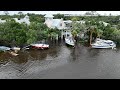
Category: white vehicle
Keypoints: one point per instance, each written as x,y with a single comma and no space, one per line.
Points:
103,44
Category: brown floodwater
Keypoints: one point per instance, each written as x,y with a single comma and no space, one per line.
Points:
61,61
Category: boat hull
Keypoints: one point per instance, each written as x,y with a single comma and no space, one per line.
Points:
39,46
70,43
3,48
100,43
103,47
35,47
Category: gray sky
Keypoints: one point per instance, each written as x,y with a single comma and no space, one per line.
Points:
63,12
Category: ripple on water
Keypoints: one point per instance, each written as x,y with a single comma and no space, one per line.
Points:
105,61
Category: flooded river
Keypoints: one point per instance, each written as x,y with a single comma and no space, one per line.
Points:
60,61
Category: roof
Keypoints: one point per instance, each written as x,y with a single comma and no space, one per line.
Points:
56,22
68,21
48,15
26,16
105,24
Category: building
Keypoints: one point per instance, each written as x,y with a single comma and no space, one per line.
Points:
104,23
81,22
60,24
2,21
54,23
22,20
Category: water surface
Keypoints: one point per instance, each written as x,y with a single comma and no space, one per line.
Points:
60,61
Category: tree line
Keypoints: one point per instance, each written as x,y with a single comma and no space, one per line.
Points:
13,33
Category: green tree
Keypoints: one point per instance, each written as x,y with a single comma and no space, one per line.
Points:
92,30
31,36
99,33
59,16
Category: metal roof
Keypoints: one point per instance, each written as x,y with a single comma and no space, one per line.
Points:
56,22
48,15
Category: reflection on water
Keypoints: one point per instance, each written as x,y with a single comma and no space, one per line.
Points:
27,62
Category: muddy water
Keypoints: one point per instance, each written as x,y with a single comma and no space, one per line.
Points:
104,63
30,61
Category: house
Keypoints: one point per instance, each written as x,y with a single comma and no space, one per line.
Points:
68,24
60,24
81,22
2,21
22,20
104,23
54,23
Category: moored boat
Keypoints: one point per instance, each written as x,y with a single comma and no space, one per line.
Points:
100,43
4,48
15,48
40,46
70,41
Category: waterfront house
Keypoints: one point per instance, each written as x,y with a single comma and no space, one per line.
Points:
60,24
63,25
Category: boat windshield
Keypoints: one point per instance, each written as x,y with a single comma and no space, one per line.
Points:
108,42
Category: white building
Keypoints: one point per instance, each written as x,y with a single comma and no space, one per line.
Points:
2,21
22,20
54,23
60,24
81,22
104,23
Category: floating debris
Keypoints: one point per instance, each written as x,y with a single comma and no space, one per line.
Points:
14,54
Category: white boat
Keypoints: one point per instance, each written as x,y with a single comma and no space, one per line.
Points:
4,48
100,43
40,46
15,48
70,41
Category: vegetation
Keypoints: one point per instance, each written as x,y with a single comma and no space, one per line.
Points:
16,34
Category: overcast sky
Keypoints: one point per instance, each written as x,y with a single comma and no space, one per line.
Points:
63,12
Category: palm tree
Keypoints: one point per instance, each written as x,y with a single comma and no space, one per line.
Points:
99,33
21,14
92,29
76,28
